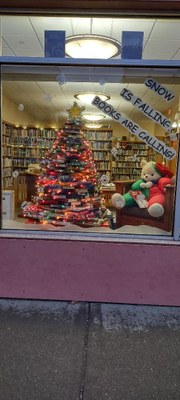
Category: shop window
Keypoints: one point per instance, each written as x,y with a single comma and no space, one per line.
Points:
103,162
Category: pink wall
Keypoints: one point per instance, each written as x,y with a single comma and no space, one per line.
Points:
89,271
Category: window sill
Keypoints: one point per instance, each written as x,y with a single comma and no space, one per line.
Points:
89,237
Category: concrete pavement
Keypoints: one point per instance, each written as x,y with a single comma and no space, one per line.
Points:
52,350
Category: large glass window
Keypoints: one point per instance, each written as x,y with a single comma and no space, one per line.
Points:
90,148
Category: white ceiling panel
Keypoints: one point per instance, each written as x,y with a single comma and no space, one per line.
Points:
42,41
162,46
102,26
176,56
40,24
166,30
16,26
6,50
20,42
137,25
81,26
49,87
158,55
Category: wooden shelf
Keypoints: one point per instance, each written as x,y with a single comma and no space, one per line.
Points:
123,164
22,139
98,139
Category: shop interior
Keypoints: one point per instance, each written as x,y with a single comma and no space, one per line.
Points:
42,106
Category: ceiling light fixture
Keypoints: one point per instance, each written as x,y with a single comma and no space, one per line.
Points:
88,97
92,46
93,117
93,126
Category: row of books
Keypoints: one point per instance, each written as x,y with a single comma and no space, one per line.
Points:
95,135
101,156
32,141
6,151
101,146
19,152
7,130
7,172
7,162
126,177
132,152
134,145
125,171
128,164
103,166
129,158
6,140
28,152
120,177
34,132
23,162
7,182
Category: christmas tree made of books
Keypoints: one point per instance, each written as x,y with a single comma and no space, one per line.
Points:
67,187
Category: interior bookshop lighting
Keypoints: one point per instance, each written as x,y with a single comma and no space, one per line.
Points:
92,46
93,126
177,116
87,97
176,125
93,117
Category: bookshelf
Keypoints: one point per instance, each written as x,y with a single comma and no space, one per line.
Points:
101,145
126,165
21,147
29,145
7,156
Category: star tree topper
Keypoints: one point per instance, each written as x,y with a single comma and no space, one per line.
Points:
75,111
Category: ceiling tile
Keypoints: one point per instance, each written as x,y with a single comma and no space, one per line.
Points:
166,29
22,42
142,25
13,25
40,24
162,46
176,56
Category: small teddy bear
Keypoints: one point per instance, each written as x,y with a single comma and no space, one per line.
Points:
151,187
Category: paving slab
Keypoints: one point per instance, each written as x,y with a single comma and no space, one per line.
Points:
133,353
41,349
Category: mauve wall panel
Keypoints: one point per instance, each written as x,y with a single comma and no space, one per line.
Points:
89,271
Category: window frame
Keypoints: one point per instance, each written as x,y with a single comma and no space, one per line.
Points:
86,236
